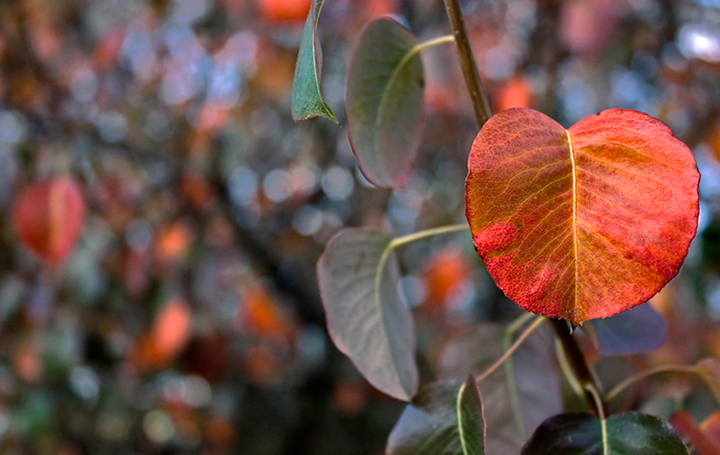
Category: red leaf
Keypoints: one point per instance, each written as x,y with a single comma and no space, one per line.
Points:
582,223
684,423
48,218
586,26
711,427
283,11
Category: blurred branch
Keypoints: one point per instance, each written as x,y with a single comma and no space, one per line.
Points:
266,257
547,52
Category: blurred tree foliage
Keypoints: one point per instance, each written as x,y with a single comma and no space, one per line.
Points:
187,319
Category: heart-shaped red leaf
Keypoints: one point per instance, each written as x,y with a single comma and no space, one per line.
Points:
582,223
48,218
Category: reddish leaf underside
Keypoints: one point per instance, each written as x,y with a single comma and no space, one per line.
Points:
582,223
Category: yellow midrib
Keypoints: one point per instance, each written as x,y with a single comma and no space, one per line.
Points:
574,215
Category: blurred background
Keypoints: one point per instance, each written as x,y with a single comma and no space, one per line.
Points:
186,317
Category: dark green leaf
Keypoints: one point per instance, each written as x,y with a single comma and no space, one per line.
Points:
636,331
366,315
630,433
307,101
513,406
385,105
444,419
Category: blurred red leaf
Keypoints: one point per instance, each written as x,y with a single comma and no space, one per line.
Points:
586,26
197,190
27,361
349,398
582,223
283,11
377,8
711,427
263,366
261,314
106,52
685,424
515,92
220,432
48,218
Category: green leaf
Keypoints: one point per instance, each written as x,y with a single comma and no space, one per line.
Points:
307,101
385,105
366,315
629,433
444,419
514,406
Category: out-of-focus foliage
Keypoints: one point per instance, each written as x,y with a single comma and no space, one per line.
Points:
187,319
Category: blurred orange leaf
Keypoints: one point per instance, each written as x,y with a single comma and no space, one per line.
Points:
261,314
168,336
515,92
446,272
173,242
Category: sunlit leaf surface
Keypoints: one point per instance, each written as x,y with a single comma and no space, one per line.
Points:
581,223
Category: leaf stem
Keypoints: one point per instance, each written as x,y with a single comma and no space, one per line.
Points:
467,62
517,323
420,47
647,373
579,367
589,388
510,373
498,363
404,61
398,241
433,42
566,370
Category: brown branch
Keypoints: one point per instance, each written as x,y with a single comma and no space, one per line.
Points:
467,62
